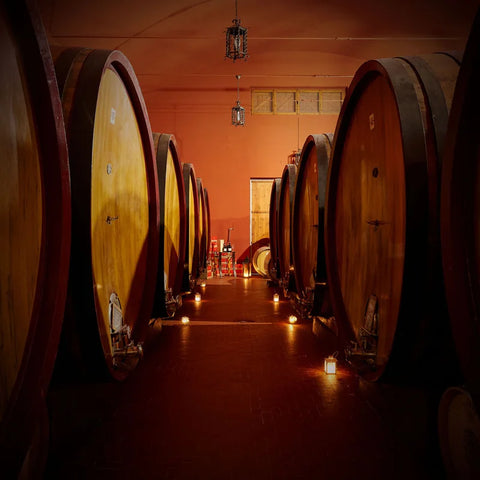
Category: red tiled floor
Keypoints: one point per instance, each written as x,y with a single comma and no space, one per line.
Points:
242,399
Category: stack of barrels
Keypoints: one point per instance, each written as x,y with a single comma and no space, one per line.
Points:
355,226
377,229
104,228
297,210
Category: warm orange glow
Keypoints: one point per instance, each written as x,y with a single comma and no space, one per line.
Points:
276,297
292,319
198,297
185,320
203,284
330,365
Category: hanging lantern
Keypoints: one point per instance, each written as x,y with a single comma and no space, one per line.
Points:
238,112
236,39
294,157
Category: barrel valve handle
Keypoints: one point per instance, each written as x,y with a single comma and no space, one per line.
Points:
363,352
126,353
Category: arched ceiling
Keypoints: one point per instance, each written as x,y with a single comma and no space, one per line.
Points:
180,44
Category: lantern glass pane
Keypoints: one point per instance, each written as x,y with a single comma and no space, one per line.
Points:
330,365
238,115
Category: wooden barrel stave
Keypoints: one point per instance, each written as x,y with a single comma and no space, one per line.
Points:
172,226
115,209
35,238
380,231
273,229
190,274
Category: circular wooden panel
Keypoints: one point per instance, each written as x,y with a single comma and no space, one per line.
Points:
35,232
459,434
115,207
381,215
172,225
287,191
261,260
192,219
460,215
308,215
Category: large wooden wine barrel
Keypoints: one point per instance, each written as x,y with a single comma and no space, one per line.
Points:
308,246
172,226
208,226
190,273
34,237
285,207
460,218
273,229
115,209
382,243
203,229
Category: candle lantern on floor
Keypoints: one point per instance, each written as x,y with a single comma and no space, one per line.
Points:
246,268
330,365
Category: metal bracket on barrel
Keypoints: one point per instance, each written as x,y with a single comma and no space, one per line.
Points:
364,352
172,303
302,304
124,349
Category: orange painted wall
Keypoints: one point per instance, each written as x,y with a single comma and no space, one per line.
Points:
226,157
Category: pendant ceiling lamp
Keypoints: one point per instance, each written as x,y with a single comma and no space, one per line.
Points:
238,112
294,157
236,39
